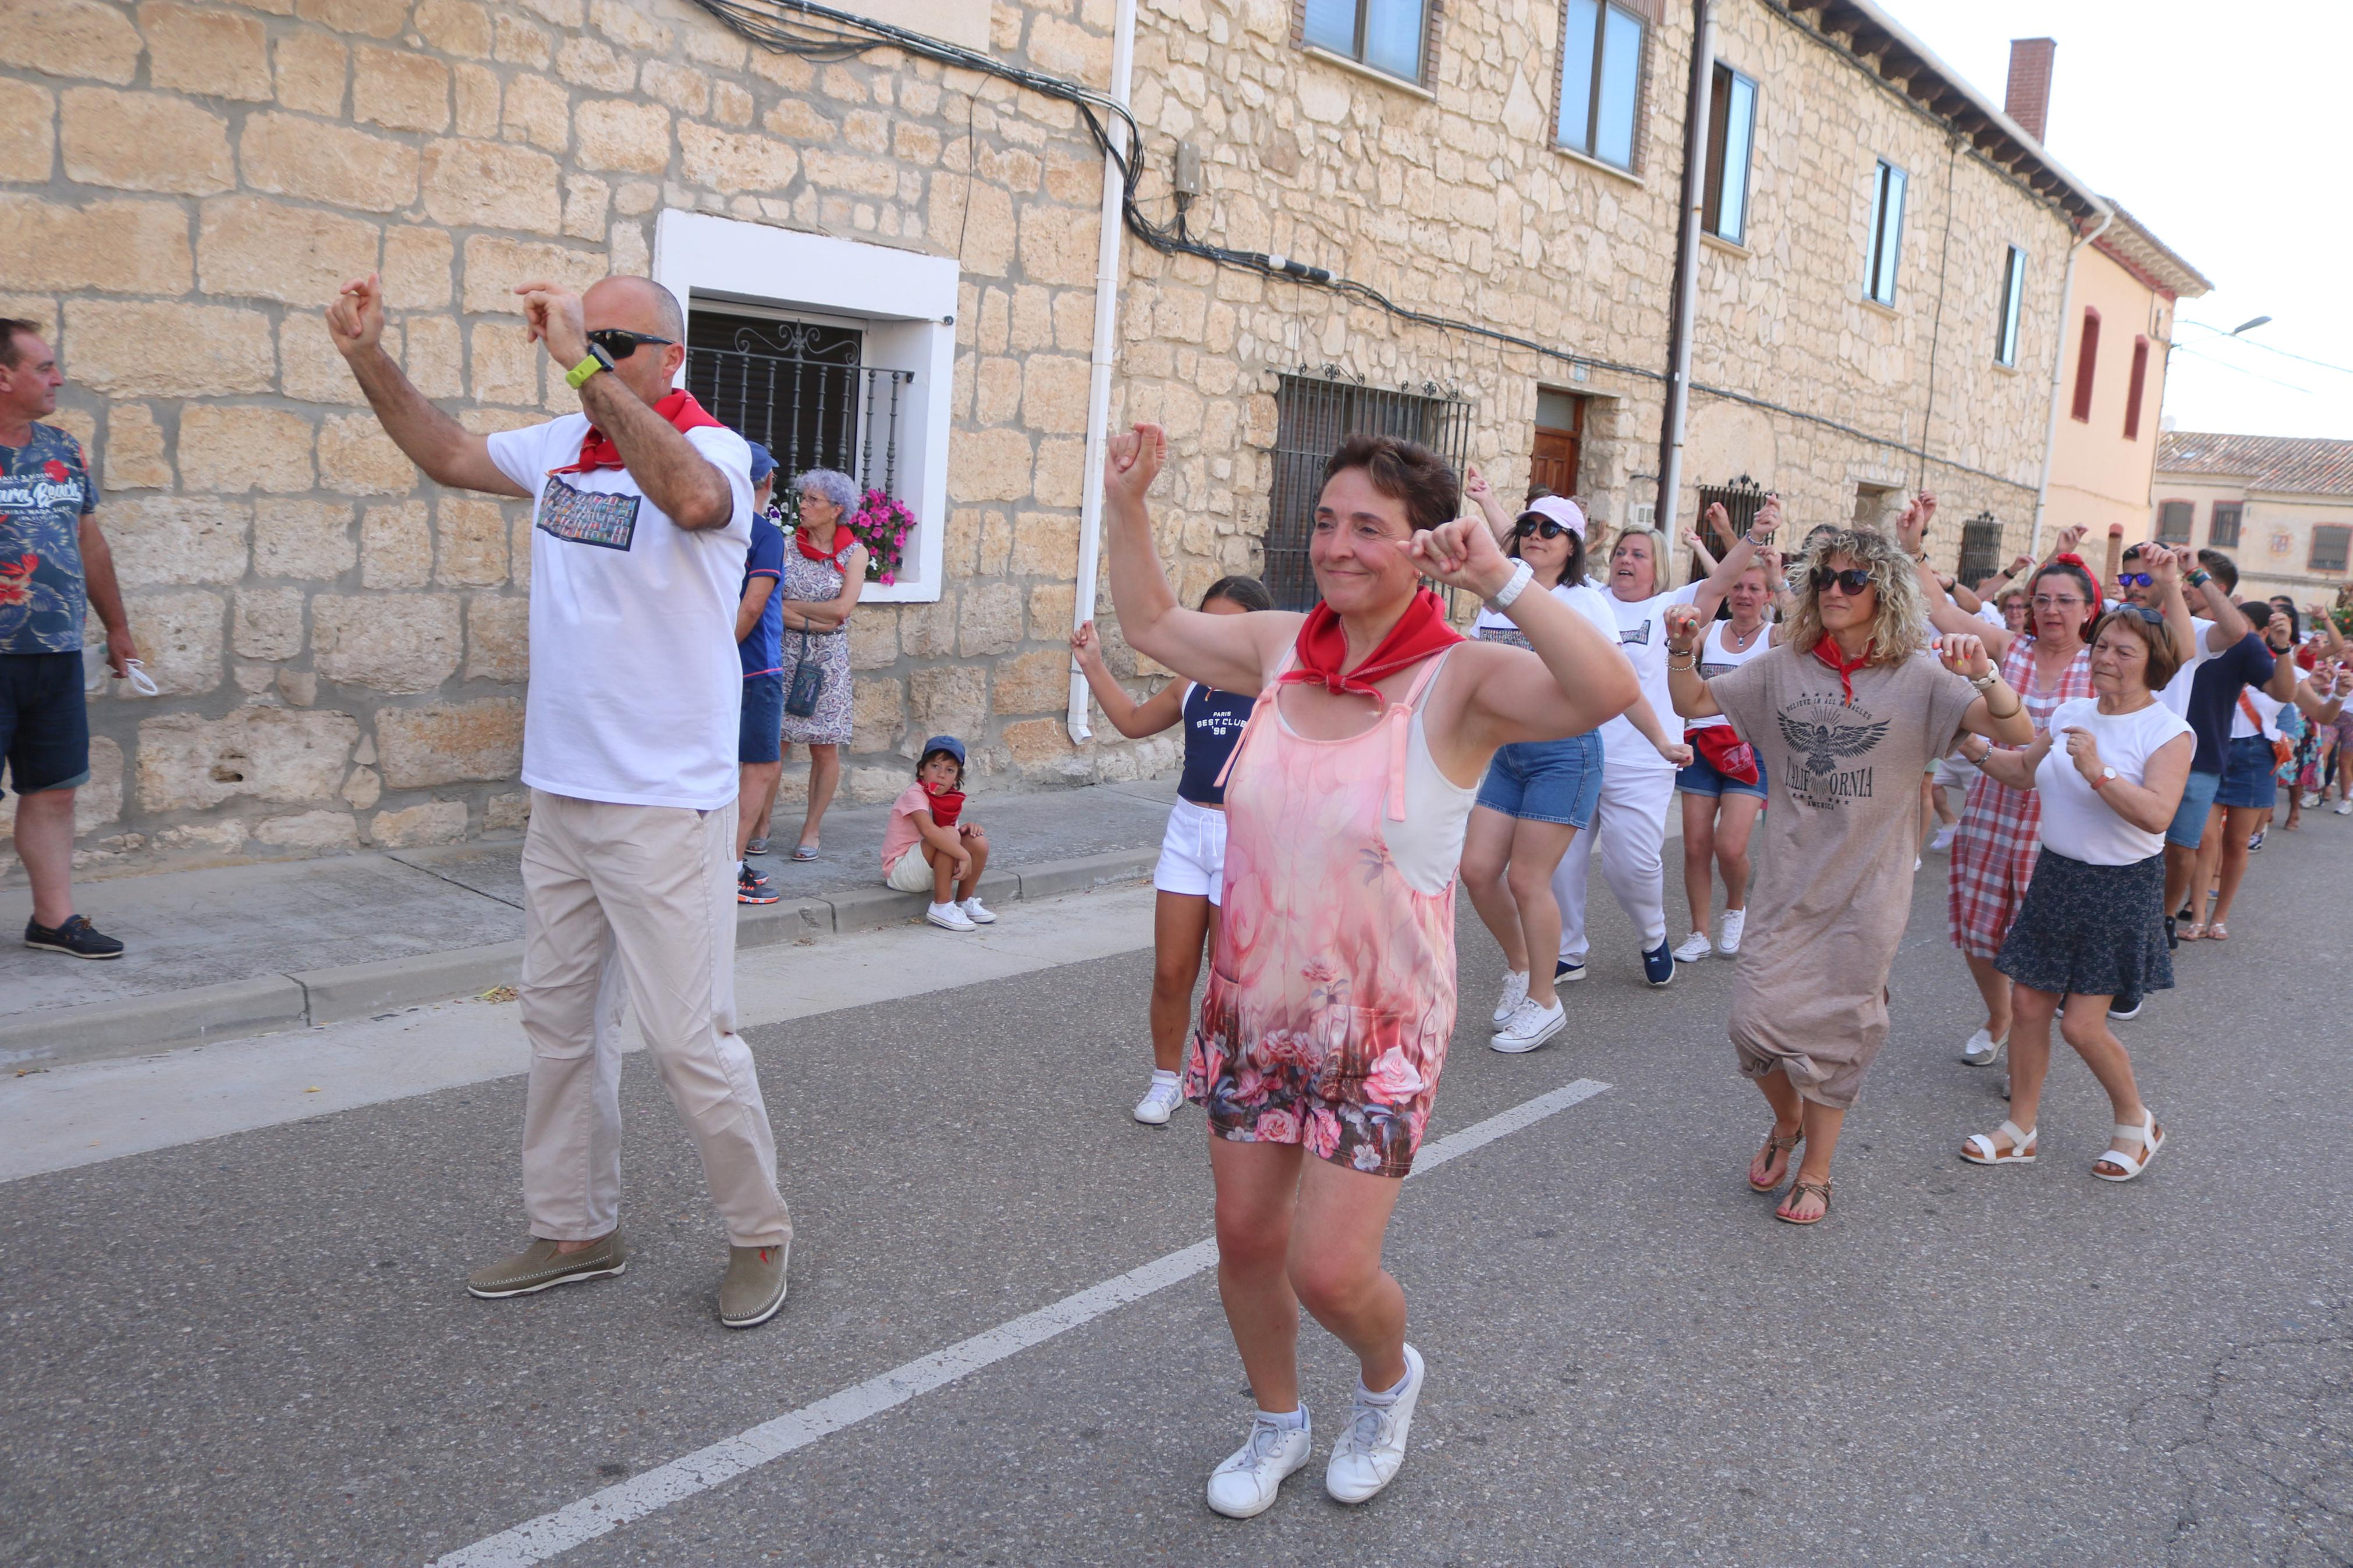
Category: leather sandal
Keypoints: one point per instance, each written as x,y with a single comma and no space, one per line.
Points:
1981,1150
2148,1135
1820,1189
1787,1146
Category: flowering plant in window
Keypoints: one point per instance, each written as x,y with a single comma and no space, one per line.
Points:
882,523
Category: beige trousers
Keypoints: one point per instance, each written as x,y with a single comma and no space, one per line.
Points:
635,904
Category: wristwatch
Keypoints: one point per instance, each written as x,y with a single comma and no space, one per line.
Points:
2107,775
578,374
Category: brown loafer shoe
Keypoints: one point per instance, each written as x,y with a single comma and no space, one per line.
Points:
540,1267
754,1286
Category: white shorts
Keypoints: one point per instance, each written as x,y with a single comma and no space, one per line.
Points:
1955,772
1193,852
910,873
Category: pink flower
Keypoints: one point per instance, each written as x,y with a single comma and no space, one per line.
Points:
1393,1079
1292,1048
888,578
1276,1126
1323,1132
1251,1086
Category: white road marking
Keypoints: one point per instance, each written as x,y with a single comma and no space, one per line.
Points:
601,1512
82,1114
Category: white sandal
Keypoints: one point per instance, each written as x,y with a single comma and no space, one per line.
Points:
1981,1150
2148,1135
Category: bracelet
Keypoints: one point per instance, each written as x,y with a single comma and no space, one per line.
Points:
1690,653
2012,714
1522,575
2199,579
1986,682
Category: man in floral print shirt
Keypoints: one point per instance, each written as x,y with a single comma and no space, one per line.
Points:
54,567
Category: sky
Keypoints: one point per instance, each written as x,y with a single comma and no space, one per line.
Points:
2224,131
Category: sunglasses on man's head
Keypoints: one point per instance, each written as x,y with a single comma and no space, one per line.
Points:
1539,528
2136,579
620,343
2142,612
1854,580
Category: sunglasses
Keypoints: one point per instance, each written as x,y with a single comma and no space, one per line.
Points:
1539,528
2136,579
1854,580
2143,612
620,343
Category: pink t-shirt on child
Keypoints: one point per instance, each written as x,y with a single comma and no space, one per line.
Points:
901,833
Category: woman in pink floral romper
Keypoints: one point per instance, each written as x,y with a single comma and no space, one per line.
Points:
1331,997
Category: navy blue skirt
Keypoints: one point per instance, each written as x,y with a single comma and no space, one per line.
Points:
2091,930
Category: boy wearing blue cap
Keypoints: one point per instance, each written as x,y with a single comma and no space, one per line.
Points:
759,640
928,844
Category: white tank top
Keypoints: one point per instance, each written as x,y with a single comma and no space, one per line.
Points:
1715,657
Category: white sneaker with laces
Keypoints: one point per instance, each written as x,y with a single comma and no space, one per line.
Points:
1160,1101
1531,1026
949,916
1244,1486
1735,923
2344,808
1983,1050
1368,1453
1696,947
1516,990
977,913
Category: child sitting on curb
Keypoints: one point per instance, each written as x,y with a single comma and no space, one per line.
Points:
927,844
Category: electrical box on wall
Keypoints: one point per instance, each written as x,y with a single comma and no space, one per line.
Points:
1187,179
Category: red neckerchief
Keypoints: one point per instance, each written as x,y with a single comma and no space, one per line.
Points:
598,451
947,805
1827,652
1421,632
842,540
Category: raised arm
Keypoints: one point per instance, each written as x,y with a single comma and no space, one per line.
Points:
1740,557
1685,685
447,452
2113,562
1698,546
1951,619
2326,624
1132,719
1999,713
1482,495
1231,653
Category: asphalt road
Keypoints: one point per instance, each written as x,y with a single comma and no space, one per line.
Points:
256,1349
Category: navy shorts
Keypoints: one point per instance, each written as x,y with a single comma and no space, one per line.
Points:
1704,777
1547,781
2249,773
758,738
44,721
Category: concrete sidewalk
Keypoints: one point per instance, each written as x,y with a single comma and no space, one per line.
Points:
246,949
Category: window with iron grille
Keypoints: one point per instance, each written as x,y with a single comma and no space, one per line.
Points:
2173,519
1391,35
1740,500
2222,531
1313,414
1980,548
799,389
2330,542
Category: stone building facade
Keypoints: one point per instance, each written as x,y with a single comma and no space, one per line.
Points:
184,185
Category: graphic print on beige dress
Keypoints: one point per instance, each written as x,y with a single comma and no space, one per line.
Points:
1331,997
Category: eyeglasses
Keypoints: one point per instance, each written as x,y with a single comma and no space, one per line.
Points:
2136,579
1539,528
2049,602
620,343
1854,580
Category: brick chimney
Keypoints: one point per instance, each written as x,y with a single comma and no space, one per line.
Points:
2028,97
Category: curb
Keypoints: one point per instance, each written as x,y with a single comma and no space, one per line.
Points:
142,1026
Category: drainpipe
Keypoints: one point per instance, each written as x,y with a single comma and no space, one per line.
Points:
1675,419
1107,262
2058,375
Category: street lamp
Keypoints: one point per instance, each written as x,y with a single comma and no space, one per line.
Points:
2247,326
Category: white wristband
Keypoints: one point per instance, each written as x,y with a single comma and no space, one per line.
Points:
1522,575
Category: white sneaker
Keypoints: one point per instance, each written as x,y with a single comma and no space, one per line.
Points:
1944,839
1244,1486
950,917
1532,1025
977,913
2311,799
1368,1453
1696,947
2344,808
1983,1050
1516,990
1735,923
1159,1102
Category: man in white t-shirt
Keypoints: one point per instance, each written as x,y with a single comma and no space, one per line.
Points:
641,518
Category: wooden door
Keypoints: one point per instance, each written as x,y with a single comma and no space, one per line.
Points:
1560,433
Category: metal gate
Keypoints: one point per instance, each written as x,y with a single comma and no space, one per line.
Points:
1980,548
1740,499
797,388
1314,414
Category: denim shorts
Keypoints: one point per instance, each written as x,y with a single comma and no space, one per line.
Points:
1704,777
1547,781
2248,773
758,735
2189,818
44,721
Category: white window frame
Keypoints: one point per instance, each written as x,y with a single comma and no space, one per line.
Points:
2013,290
906,303
1883,248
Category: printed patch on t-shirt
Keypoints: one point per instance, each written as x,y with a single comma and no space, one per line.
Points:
1823,735
1638,633
607,519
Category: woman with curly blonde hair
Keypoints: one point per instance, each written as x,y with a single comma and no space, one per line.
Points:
1852,708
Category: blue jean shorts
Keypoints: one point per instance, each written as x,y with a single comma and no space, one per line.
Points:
2189,818
1704,777
2248,776
1547,781
758,737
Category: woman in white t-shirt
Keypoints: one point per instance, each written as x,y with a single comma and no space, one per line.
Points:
1639,764
2110,772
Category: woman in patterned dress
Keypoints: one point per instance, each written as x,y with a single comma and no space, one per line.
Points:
825,569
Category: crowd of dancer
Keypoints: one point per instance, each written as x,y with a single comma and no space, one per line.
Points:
2123,738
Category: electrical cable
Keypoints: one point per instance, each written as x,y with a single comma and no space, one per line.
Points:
2267,348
